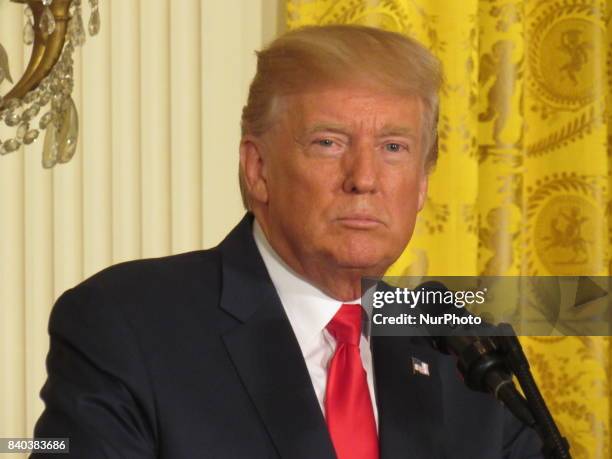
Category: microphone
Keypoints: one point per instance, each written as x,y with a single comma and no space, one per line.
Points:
480,360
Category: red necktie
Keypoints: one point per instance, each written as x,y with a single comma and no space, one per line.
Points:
348,407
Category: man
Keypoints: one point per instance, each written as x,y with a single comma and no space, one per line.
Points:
254,349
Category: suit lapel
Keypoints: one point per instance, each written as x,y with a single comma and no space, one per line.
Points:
266,354
409,403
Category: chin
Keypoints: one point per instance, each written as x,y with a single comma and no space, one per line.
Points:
370,260
371,252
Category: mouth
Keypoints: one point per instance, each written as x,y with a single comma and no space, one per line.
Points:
360,221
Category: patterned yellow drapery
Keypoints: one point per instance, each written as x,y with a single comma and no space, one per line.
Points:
521,187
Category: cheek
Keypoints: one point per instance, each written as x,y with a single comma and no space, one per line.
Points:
298,202
404,202
303,187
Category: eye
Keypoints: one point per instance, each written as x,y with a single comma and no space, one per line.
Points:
325,142
394,147
326,145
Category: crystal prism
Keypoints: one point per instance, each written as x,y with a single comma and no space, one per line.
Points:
30,113
12,104
49,157
22,130
45,120
44,98
47,22
30,136
27,11
11,145
12,119
28,33
94,22
31,97
77,29
69,132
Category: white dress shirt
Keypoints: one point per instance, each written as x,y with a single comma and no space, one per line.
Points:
309,310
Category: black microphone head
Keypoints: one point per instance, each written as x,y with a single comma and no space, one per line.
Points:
443,314
476,355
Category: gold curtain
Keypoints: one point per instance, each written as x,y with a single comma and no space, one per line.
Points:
521,187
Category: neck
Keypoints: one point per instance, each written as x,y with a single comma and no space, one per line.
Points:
342,285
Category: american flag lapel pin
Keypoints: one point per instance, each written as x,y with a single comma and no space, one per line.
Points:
420,367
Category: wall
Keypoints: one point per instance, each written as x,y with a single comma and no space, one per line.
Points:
159,94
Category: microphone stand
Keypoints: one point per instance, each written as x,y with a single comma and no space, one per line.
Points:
555,445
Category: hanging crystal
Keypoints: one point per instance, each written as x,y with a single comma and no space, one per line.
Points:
69,132
28,33
50,148
59,118
22,130
30,113
12,104
94,19
47,20
30,136
45,98
72,9
12,119
76,29
28,28
45,120
31,96
11,145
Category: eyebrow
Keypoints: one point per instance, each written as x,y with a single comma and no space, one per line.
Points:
389,130
399,131
338,128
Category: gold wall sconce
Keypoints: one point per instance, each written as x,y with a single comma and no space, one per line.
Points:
41,101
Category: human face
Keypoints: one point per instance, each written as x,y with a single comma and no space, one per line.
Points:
340,179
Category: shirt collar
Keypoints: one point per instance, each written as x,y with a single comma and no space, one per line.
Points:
309,309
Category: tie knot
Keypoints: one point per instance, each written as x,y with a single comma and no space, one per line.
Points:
345,327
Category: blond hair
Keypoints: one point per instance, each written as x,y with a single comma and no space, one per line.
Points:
315,56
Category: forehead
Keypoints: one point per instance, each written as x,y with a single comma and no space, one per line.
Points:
354,107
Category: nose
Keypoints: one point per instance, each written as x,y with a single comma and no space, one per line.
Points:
361,170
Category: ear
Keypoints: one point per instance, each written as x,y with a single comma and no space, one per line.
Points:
423,184
252,166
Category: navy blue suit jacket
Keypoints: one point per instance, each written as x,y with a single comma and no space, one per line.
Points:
192,356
